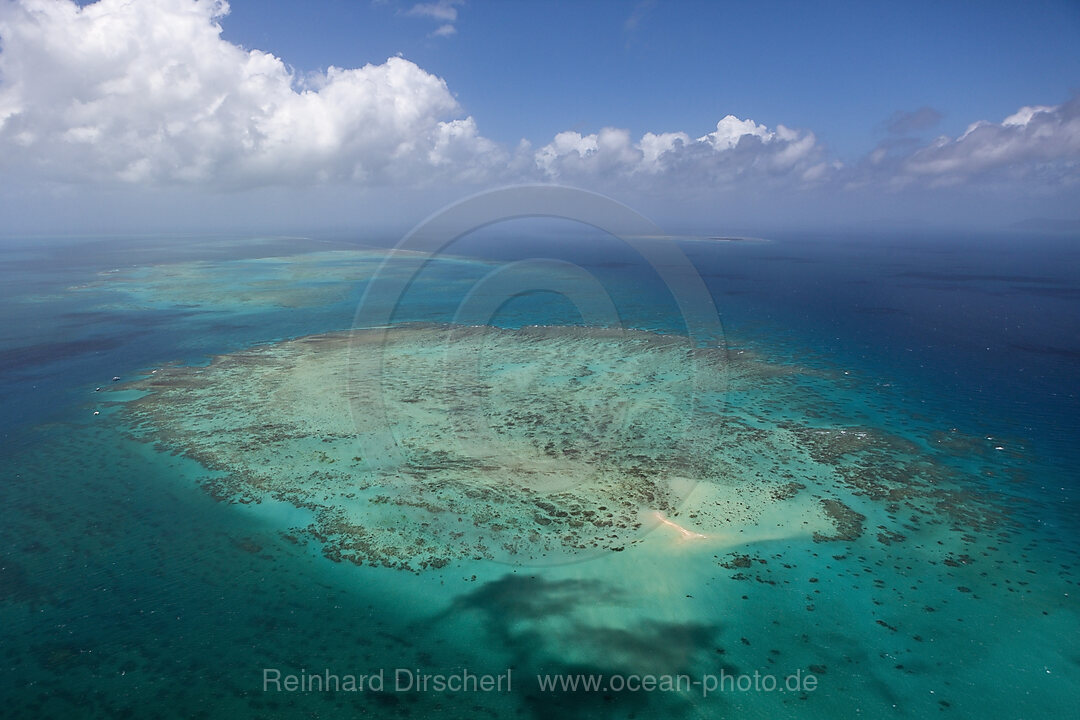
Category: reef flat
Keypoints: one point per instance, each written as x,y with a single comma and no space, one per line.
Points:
420,445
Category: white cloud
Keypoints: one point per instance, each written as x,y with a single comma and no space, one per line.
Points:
1040,141
564,145
465,154
795,148
653,147
730,130
443,11
817,172
738,149
1024,115
149,92
970,129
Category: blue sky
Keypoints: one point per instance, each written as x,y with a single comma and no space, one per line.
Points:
840,68
719,115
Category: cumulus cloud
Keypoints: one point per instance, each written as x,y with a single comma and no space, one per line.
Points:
730,130
653,146
609,153
1040,142
737,150
149,92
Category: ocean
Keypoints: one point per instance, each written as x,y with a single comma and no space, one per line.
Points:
868,478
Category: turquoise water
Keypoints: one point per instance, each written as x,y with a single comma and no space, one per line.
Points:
127,589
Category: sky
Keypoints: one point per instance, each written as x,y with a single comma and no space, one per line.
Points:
162,116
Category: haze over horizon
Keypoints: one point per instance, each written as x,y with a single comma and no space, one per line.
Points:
203,116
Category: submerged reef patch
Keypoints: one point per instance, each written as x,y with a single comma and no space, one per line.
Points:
420,445
849,524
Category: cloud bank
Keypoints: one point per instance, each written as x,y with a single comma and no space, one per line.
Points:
737,151
1040,142
148,94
